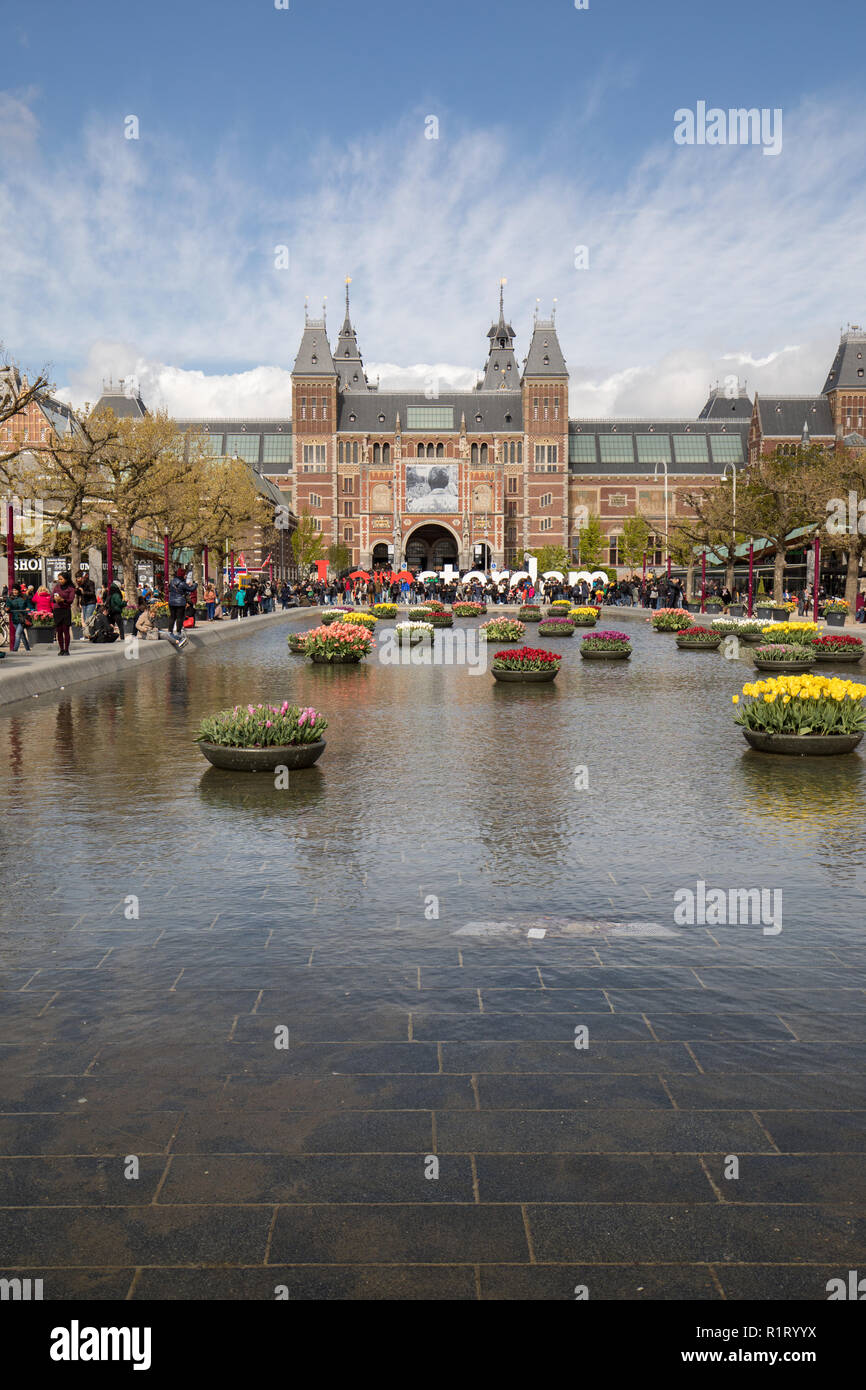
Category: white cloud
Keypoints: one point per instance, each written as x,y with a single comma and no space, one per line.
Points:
147,264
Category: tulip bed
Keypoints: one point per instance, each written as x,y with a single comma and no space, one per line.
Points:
262,726
338,642
805,704
503,630
469,610
671,620
525,659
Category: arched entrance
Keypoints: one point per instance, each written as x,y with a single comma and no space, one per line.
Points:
380,559
431,547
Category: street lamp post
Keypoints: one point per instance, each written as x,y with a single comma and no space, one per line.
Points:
10,563
722,476
664,465
751,573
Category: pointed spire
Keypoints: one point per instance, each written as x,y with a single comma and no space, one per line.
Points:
501,371
347,354
805,437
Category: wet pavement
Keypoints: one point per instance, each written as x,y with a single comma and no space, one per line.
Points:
461,1110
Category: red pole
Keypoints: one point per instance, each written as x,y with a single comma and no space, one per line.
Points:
10,561
751,573
644,564
817,581
109,555
166,563
205,566
703,581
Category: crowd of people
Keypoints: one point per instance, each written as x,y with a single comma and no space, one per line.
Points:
105,611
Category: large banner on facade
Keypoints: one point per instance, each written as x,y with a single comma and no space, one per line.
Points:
431,487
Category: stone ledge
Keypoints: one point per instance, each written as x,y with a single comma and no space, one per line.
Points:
40,673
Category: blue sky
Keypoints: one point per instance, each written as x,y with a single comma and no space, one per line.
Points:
305,128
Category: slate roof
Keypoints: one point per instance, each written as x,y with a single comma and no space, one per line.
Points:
545,355
849,364
721,407
314,355
784,416
124,406
492,406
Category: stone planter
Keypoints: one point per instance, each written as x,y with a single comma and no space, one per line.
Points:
834,619
295,644
763,610
800,745
737,610
162,624
41,635
584,622
840,656
781,615
554,631
537,677
753,638
600,655
686,646
292,756
783,668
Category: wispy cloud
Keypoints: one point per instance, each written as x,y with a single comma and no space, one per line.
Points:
135,260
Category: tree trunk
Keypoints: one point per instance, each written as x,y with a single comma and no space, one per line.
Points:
75,547
690,577
778,574
125,554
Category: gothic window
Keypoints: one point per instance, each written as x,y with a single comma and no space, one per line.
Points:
474,454
440,451
386,453
420,451
377,453
355,452
483,454
430,451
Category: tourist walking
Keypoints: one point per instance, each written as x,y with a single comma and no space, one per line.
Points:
210,599
19,606
178,593
63,596
85,592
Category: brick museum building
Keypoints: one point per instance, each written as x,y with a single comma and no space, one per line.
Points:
476,478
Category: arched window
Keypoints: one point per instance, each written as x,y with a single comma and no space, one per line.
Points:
420,451
474,453
520,451
377,453
483,453
440,451
386,453
340,452
355,452
430,451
